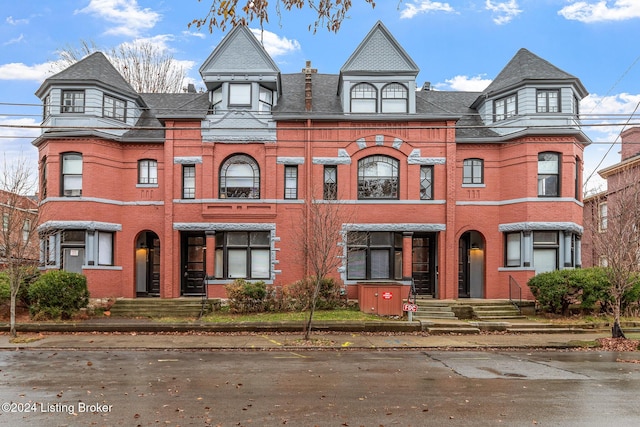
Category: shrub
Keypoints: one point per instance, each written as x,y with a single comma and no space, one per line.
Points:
299,295
58,295
246,297
5,288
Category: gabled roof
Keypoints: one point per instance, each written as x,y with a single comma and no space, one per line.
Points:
239,52
95,68
526,66
380,53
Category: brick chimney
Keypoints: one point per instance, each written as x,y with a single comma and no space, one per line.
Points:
630,143
308,92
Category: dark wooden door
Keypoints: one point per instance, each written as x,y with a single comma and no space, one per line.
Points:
193,264
423,263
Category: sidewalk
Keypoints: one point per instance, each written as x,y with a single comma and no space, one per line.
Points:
141,334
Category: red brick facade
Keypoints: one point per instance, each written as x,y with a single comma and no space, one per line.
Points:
454,205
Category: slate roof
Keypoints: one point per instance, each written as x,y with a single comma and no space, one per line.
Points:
167,105
528,66
94,69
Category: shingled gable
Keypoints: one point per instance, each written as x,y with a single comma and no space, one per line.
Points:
239,54
526,66
95,70
379,53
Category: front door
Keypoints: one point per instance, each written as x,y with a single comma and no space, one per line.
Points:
463,265
423,263
193,263
148,265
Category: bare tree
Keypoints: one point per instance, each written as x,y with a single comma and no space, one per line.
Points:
615,230
19,247
322,236
147,67
224,13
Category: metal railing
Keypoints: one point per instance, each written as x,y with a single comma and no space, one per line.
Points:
515,293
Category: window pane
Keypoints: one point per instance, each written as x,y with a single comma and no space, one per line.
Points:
260,238
72,164
545,237
356,265
72,185
379,263
219,264
105,249
378,178
237,263
547,185
513,249
547,163
240,94
398,265
238,238
260,263
378,238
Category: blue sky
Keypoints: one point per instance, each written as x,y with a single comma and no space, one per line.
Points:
458,45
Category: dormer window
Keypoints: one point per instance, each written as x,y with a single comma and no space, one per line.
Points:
505,107
548,101
240,94
394,98
73,101
364,98
265,101
114,108
216,100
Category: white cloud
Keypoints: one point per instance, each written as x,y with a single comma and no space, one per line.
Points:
424,6
129,19
197,34
20,71
11,21
503,12
464,84
588,12
274,44
14,40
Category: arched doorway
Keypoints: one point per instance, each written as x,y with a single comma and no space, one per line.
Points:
471,248
147,253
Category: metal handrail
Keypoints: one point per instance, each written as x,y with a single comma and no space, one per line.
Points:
515,288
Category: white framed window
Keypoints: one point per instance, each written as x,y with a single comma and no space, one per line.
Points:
505,107
378,177
114,108
265,102
602,217
513,249
473,171
291,182
105,248
147,171
395,98
548,174
71,174
73,101
364,98
240,178
240,94
548,101
216,101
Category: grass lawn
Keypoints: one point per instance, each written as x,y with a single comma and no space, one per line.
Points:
223,316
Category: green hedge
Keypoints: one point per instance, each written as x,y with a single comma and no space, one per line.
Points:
58,295
589,288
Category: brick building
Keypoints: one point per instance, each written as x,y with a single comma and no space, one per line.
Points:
147,194
602,208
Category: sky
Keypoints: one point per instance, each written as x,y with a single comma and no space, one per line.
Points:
457,44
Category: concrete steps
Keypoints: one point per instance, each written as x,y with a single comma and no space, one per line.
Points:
433,309
156,307
495,310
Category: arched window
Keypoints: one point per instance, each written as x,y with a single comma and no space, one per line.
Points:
394,98
71,174
378,177
240,178
364,98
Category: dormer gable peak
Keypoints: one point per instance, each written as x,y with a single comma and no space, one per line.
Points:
379,53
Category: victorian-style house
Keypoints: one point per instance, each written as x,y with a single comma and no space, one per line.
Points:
166,194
